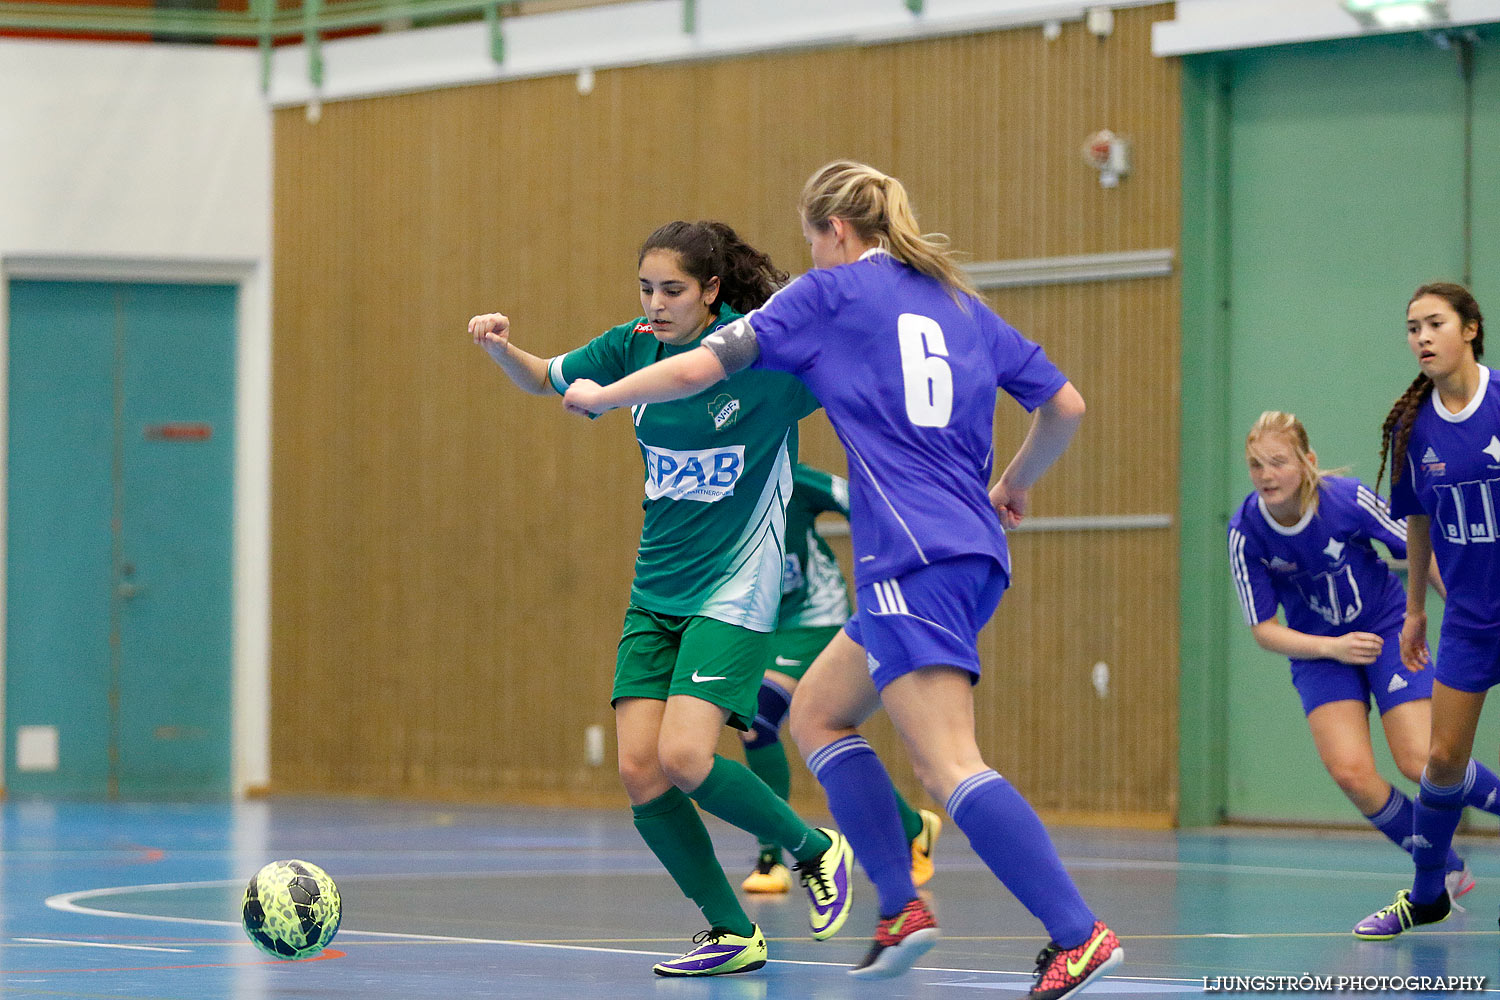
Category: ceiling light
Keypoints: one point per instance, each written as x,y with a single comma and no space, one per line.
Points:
1397,15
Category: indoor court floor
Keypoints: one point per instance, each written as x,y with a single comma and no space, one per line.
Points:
142,901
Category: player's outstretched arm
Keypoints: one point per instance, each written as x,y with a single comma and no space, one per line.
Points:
1052,426
1352,647
676,377
529,372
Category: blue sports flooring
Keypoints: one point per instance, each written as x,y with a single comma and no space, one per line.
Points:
142,901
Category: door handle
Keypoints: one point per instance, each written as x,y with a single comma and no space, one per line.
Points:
128,590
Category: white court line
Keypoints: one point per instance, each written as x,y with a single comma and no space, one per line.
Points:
1149,865
69,903
98,944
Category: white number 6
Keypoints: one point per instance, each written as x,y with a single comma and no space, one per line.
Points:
929,380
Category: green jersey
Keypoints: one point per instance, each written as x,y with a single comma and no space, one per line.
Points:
813,592
718,475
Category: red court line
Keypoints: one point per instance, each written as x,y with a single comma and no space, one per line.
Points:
325,954
157,938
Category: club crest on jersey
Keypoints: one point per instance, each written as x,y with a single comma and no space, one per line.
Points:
725,410
1493,448
1334,595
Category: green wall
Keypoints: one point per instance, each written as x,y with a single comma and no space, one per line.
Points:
1322,183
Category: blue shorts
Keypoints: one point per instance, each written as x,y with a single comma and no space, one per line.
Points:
1468,663
928,617
1387,679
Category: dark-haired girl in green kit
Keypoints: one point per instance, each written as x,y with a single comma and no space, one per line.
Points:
704,602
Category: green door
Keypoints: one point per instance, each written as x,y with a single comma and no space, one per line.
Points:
118,567
1345,179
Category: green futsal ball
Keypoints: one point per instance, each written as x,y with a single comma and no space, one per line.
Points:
291,909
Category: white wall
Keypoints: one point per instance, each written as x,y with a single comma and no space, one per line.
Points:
153,162
153,150
1222,25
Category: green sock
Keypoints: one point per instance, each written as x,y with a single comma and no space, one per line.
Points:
911,820
733,793
674,831
769,765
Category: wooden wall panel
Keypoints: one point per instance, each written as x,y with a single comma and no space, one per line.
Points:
451,558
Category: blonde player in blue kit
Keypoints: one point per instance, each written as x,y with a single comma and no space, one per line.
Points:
906,361
703,605
1443,438
814,607
1303,540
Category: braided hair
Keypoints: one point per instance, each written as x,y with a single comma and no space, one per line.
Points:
1396,431
707,250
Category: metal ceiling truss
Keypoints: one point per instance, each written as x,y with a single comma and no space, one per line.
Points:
263,18
265,22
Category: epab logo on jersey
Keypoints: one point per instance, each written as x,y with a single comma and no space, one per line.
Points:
707,476
725,410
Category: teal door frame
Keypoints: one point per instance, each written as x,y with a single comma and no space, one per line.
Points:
1204,469
250,631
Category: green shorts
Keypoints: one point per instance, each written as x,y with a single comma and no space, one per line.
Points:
794,649
704,658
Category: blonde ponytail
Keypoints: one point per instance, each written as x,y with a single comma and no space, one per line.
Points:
877,207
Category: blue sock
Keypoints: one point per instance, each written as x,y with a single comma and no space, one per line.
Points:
1436,815
1482,788
862,801
771,706
1395,820
1009,837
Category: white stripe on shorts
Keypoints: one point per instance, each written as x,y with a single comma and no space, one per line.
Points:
890,599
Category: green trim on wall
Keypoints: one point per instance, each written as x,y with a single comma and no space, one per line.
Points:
1203,594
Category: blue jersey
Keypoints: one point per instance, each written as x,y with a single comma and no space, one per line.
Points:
1452,475
908,378
1323,571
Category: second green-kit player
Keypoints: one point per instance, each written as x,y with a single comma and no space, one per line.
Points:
814,606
